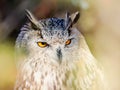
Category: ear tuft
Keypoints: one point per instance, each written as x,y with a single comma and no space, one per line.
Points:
70,20
34,22
31,17
74,17
67,18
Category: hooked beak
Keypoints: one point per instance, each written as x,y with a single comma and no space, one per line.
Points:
59,55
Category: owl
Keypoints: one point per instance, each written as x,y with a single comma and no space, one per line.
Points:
55,56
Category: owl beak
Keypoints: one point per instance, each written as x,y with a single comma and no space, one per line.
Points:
59,55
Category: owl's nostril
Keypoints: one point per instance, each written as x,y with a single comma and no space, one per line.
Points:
59,54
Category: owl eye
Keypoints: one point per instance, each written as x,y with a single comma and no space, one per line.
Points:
42,44
68,42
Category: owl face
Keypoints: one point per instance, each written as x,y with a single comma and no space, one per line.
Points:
52,39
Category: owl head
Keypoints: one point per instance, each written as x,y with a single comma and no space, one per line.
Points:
52,39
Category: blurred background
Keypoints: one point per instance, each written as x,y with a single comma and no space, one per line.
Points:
99,23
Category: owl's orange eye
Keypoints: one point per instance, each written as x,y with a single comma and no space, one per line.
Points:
42,44
68,42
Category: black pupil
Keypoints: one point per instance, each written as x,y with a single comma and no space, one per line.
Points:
43,43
